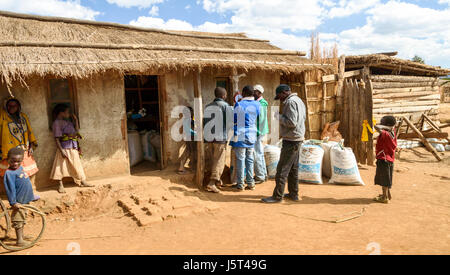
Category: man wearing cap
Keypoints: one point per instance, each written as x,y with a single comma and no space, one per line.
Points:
263,130
292,131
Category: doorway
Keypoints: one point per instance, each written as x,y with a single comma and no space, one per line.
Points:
142,98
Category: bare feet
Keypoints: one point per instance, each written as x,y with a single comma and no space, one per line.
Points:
61,188
85,184
22,243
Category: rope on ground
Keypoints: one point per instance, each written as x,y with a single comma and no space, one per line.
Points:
83,238
337,219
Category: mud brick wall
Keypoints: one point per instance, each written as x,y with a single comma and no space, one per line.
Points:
101,107
179,89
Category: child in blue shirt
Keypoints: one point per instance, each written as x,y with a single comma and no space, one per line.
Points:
19,191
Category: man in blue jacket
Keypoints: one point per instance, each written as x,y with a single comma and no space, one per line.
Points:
246,113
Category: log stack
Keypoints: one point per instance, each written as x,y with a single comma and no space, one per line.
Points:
405,96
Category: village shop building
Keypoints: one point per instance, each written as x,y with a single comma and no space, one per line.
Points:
104,70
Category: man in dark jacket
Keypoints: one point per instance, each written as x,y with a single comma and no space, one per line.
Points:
292,131
217,121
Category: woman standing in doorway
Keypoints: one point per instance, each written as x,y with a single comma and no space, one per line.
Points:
15,131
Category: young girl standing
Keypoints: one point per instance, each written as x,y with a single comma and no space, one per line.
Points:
67,160
385,150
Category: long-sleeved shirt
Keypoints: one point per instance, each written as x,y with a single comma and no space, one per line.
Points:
292,120
386,145
263,123
18,187
221,108
246,113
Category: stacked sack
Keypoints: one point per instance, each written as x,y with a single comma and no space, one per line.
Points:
310,163
272,157
344,166
328,158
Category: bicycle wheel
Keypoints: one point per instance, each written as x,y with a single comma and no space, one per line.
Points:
5,221
42,223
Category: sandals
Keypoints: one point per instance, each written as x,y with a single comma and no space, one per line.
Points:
381,199
212,188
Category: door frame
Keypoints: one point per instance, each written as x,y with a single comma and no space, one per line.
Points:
162,95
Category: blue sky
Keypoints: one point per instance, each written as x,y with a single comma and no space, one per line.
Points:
411,27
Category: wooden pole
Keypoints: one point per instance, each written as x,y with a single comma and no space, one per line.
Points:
356,121
369,104
199,129
340,89
324,107
362,117
305,96
423,139
432,123
346,116
351,111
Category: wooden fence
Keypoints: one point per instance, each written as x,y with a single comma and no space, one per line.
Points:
357,108
319,98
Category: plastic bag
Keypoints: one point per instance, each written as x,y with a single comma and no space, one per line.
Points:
272,157
135,148
147,148
331,133
326,164
155,141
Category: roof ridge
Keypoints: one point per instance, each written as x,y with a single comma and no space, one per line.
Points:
122,26
147,47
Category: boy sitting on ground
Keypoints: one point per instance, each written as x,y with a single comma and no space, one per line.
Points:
19,191
385,150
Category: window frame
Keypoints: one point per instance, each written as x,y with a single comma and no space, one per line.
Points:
229,88
73,99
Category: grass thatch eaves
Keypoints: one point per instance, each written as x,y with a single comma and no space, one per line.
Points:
19,59
394,64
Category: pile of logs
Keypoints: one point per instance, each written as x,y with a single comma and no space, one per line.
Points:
419,132
405,95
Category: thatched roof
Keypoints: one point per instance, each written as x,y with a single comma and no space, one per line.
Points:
36,45
393,64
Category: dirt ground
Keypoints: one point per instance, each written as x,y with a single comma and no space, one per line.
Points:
417,221
444,114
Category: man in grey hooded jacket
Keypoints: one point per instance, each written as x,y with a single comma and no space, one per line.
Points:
292,131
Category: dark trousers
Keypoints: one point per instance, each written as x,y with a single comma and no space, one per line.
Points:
287,169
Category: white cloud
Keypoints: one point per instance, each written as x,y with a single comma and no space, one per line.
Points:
391,26
69,8
135,3
274,14
154,11
153,22
349,7
403,27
